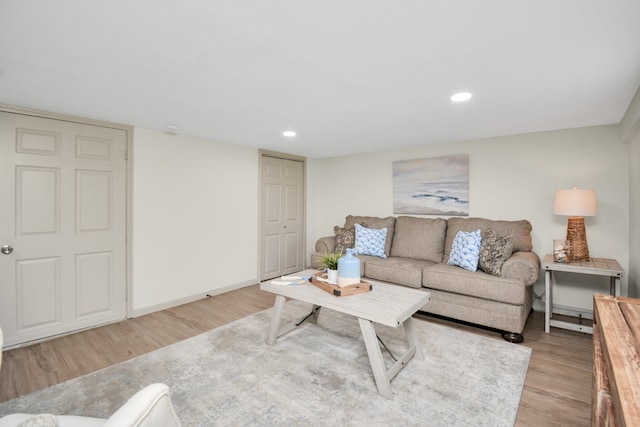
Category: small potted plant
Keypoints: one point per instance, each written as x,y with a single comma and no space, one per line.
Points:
330,260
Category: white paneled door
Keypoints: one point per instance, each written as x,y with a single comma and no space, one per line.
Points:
282,217
62,226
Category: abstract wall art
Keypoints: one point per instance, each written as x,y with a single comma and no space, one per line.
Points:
434,186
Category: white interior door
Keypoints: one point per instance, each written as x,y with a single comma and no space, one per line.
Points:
282,245
62,226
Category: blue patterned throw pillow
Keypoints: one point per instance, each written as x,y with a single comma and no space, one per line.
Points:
465,250
370,241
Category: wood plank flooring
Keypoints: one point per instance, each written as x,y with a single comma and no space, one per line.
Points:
557,389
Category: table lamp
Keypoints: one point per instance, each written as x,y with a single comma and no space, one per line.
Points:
576,203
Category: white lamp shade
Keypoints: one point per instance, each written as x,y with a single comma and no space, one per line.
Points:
575,202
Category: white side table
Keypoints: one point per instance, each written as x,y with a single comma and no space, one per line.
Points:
595,267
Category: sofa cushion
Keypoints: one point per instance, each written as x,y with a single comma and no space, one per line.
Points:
419,238
494,251
520,231
402,271
479,284
376,223
465,250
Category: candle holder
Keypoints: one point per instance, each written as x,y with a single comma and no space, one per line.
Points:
561,252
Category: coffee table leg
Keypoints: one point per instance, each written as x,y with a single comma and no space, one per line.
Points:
375,358
278,307
410,330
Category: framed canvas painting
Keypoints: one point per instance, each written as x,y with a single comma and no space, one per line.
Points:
435,186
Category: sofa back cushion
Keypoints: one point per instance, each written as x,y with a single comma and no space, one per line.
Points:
520,231
419,238
375,223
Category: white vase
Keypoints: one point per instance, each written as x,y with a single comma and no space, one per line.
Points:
332,276
348,269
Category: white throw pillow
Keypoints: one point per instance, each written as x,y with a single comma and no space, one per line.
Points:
465,250
42,420
370,241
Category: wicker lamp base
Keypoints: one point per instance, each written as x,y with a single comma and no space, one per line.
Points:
577,237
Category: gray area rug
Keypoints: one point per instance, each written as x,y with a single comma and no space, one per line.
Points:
318,374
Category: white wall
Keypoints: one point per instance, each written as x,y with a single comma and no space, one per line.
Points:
195,225
510,178
188,241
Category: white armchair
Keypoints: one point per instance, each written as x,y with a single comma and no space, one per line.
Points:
149,407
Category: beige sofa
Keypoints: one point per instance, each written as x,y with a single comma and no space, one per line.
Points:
417,251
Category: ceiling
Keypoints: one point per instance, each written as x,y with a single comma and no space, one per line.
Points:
349,76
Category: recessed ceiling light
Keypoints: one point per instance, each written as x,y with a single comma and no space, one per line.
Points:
461,97
289,133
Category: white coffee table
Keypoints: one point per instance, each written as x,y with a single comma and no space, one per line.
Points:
387,304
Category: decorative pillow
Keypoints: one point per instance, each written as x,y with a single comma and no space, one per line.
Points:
494,251
370,241
42,420
376,223
345,238
465,250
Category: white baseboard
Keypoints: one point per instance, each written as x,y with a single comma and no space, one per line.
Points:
191,298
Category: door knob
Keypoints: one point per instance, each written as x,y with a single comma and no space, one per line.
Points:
6,249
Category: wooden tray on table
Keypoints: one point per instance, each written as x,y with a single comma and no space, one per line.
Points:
338,291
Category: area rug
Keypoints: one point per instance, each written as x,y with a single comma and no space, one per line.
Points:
318,374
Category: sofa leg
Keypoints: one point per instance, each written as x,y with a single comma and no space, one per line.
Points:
513,337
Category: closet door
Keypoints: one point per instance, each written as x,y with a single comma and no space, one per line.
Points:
282,217
62,226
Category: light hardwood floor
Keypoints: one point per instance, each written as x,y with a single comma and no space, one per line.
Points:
557,389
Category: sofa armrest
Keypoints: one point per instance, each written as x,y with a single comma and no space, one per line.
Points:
149,407
524,266
326,244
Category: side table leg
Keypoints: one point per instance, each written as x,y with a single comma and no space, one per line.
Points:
375,358
548,304
278,307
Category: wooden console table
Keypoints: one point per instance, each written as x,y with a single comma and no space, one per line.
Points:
595,266
616,361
